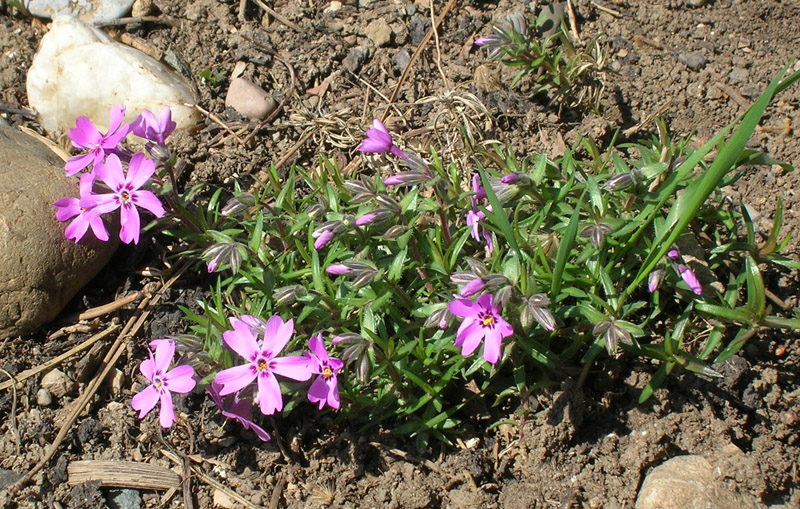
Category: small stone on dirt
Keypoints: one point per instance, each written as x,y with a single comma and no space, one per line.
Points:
694,60
355,59
94,11
221,499
401,59
737,76
249,100
57,383
686,481
44,398
379,32
124,499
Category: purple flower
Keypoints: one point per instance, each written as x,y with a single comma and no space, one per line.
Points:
473,287
86,218
337,269
323,238
149,127
379,141
240,410
481,322
690,278
325,388
85,135
262,361
125,193
178,379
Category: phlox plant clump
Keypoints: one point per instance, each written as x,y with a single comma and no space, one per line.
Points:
491,271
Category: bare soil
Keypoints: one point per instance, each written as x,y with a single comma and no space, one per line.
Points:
590,446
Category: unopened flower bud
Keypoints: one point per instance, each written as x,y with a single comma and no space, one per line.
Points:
654,280
316,210
477,267
238,204
395,231
288,295
475,286
619,181
388,203
406,178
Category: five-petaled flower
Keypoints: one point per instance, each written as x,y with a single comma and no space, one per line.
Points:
325,388
85,135
149,127
125,193
84,218
482,321
164,383
379,141
262,361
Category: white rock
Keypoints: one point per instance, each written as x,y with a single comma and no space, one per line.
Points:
57,383
96,11
80,71
249,100
44,398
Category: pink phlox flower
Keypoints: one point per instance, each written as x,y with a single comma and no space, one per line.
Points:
240,410
262,362
149,127
325,388
125,193
482,321
179,380
85,135
84,217
378,140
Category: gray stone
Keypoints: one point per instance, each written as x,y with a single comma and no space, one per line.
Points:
40,269
249,100
379,32
687,481
696,3
124,499
401,59
694,60
737,76
355,59
93,11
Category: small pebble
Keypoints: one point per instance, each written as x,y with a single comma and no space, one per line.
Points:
249,100
124,499
44,398
694,60
57,383
696,3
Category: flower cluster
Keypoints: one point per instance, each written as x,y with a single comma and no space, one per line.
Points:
107,186
259,343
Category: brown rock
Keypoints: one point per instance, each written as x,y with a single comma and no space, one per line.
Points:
687,482
249,100
40,269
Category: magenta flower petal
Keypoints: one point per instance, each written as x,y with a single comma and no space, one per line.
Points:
148,201
129,224
464,307
491,347
180,380
145,401
269,394
277,333
110,172
140,169
84,134
165,351
235,379
76,163
167,415
294,367
241,339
